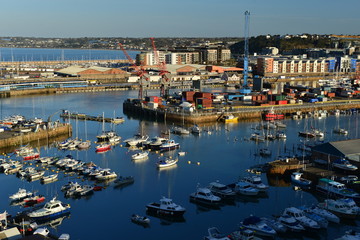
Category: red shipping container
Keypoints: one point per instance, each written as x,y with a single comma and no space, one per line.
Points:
154,99
272,102
330,94
281,102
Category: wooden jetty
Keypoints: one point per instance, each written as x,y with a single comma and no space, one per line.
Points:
82,116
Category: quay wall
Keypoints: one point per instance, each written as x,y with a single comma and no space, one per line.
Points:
16,140
243,112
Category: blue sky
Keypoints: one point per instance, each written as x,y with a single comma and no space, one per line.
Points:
168,18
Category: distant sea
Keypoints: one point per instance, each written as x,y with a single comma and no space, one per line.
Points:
50,54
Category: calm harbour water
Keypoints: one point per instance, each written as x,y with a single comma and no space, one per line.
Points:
224,155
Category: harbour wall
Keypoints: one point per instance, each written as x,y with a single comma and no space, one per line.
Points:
60,132
242,112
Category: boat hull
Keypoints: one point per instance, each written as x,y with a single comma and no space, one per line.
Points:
152,208
50,216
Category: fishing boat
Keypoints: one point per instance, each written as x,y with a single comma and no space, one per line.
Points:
258,226
270,115
140,155
166,162
204,195
221,190
338,208
214,234
140,219
296,178
169,145
20,194
344,164
166,207
336,189
53,208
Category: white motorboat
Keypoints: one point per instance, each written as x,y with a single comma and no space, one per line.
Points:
180,130
256,182
169,145
140,155
350,203
204,195
350,235
156,142
136,140
340,131
84,145
166,207
291,223
323,213
344,165
105,175
280,135
21,194
140,219
274,224
214,234
300,216
338,208
258,226
51,209
244,188
296,178
49,178
166,162
323,222
221,190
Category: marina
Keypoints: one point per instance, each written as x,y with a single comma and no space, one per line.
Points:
230,156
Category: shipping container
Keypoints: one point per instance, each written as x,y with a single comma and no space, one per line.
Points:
152,105
188,96
281,102
330,94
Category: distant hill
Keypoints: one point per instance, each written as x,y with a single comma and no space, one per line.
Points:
256,44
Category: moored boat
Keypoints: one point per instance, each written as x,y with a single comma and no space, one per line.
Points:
51,209
166,162
169,145
336,189
123,181
258,226
140,219
214,234
20,194
166,207
140,155
221,190
296,178
204,195
338,208
344,164
103,147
